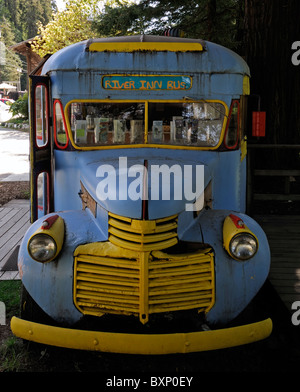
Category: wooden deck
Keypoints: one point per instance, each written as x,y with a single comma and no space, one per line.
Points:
14,221
283,232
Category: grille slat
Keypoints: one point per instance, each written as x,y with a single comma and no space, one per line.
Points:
106,299
100,280
178,297
111,262
117,289
100,309
180,288
142,246
146,238
105,270
142,235
189,270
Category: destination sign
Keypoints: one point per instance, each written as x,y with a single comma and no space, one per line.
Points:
147,82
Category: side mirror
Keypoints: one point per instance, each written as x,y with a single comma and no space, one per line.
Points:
259,124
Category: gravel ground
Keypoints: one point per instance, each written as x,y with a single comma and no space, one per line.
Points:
13,190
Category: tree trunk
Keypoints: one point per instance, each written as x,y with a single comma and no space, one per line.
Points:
270,28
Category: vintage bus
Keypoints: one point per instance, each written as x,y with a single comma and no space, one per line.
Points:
140,242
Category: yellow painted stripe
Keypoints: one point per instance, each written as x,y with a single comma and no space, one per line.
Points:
145,46
243,149
246,85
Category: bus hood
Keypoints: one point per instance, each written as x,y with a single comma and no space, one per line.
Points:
151,188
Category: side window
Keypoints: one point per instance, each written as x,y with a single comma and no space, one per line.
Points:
41,115
60,130
43,194
232,129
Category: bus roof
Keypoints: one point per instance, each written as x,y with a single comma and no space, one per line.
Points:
135,53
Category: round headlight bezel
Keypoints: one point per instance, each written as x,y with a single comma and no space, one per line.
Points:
245,239
49,254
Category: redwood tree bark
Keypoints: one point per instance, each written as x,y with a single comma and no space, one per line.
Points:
270,28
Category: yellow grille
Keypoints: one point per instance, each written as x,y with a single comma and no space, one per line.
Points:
142,235
109,279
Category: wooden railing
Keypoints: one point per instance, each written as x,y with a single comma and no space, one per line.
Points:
253,172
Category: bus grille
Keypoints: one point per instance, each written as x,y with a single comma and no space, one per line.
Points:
149,283
142,235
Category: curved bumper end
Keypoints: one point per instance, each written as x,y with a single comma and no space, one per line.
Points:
153,344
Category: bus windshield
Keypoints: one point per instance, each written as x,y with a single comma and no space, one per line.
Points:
172,123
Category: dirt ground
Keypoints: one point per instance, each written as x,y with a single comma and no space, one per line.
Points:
13,190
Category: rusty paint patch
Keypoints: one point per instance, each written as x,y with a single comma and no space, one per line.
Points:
87,200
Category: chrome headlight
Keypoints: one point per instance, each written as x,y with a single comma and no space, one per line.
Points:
42,247
243,246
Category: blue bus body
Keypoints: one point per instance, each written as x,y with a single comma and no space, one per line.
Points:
131,252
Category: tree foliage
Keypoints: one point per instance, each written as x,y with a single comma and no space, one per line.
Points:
214,20
66,27
18,22
25,14
20,107
13,65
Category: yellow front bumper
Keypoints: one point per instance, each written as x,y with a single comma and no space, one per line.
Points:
141,344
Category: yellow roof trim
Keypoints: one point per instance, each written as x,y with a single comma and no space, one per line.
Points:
145,46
